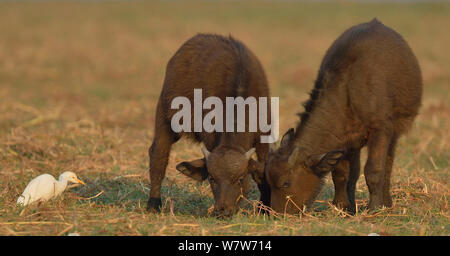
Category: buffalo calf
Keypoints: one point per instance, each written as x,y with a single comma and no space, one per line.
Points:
367,93
221,67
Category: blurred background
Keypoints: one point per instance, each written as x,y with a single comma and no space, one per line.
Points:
79,81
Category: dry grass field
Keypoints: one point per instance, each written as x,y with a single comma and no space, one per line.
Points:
79,83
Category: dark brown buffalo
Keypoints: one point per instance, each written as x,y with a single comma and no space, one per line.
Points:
367,93
221,67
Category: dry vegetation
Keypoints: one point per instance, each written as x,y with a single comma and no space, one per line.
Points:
78,90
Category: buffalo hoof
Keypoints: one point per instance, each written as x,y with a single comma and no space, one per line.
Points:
154,205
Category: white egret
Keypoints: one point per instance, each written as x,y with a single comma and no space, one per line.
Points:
45,187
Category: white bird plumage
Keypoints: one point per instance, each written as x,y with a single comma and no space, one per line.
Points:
45,187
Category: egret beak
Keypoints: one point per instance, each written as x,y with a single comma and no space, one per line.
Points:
80,181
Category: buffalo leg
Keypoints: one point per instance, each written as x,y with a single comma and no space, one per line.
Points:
355,168
262,150
387,199
340,177
159,156
374,171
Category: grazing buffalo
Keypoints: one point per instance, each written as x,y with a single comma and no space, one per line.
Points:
221,67
367,93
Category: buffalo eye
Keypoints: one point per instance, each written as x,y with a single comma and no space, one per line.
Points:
241,179
211,180
286,184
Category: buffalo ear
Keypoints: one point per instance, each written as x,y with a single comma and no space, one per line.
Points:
287,137
256,169
325,163
194,169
